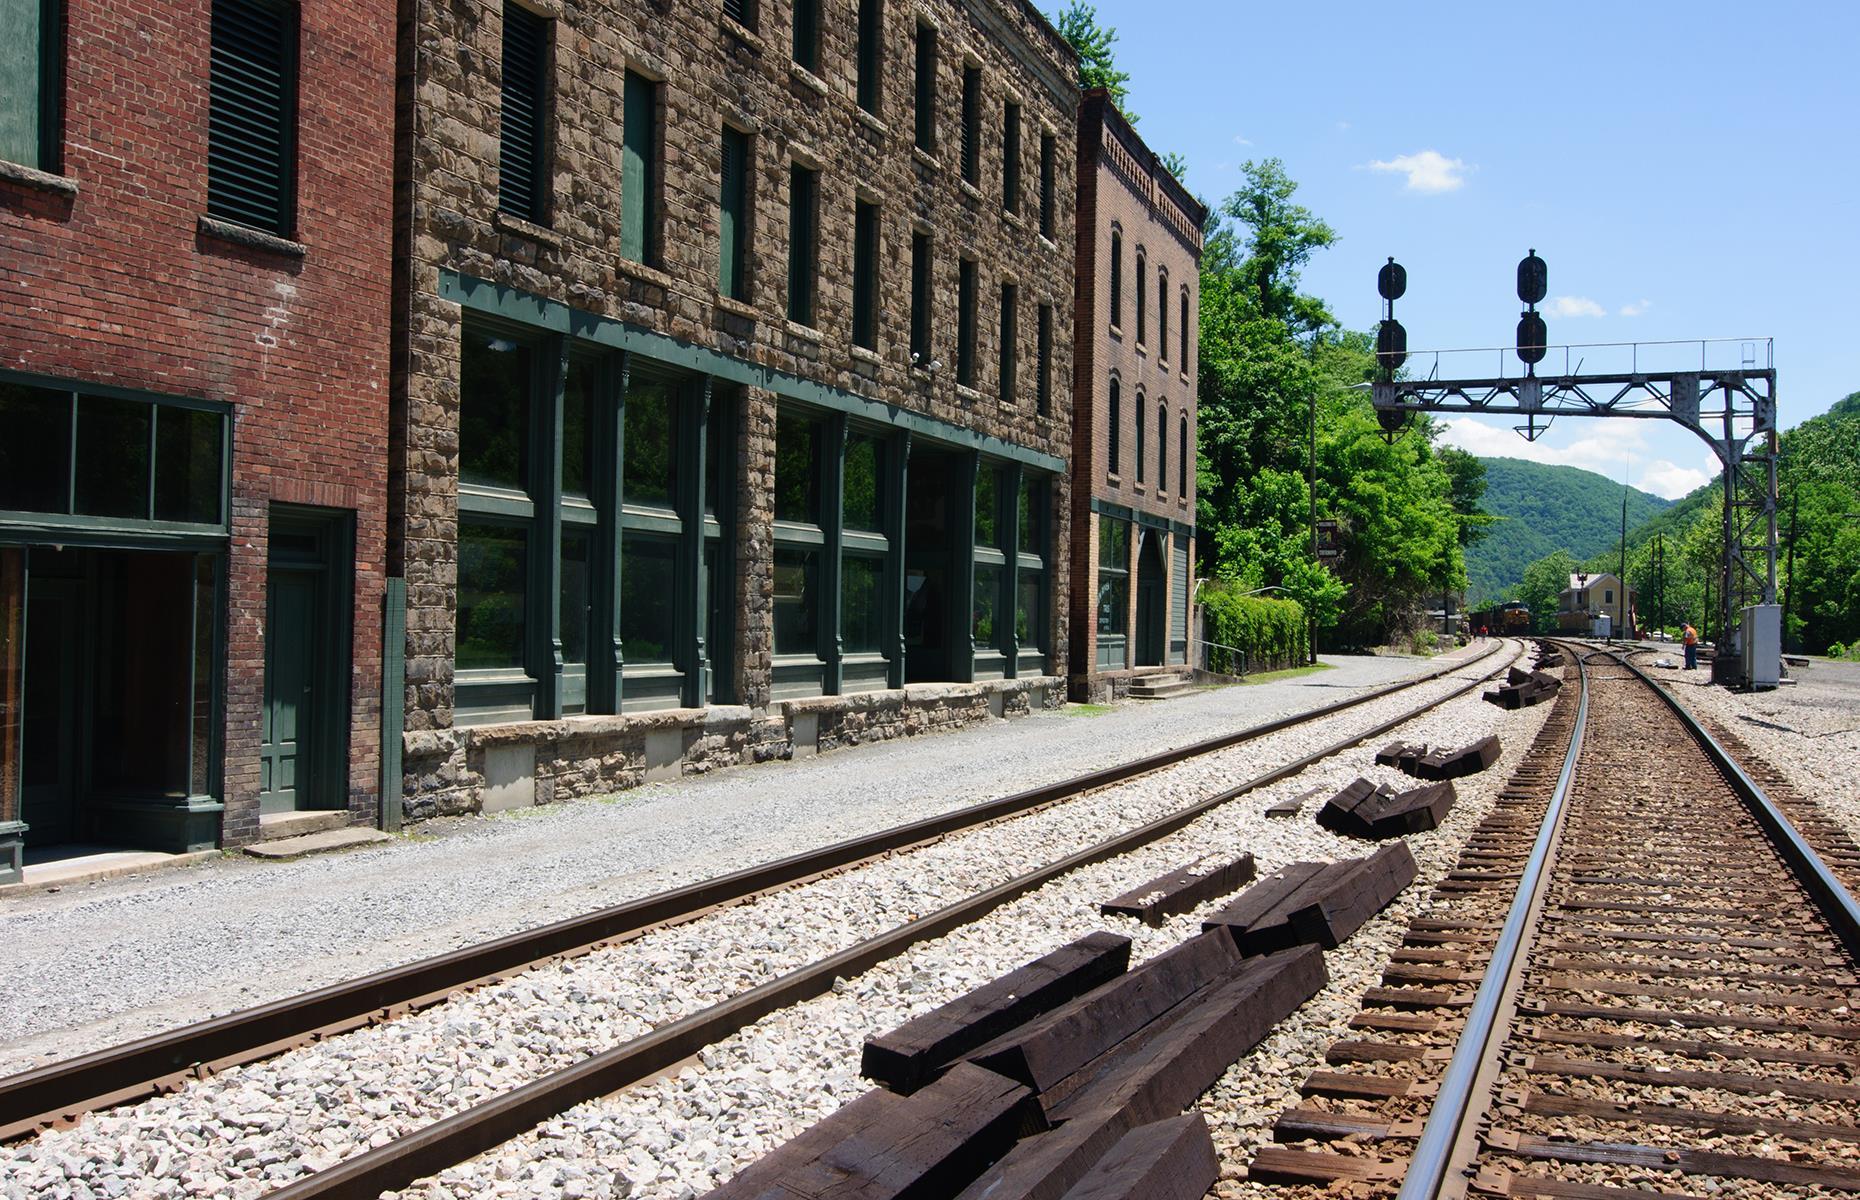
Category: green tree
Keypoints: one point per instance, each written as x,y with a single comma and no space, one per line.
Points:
1543,581
1078,24
1281,238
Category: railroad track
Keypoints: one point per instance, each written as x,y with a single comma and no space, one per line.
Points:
62,1092
1639,981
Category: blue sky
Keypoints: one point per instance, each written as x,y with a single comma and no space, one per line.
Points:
1687,171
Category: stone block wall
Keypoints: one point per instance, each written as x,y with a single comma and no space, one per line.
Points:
709,70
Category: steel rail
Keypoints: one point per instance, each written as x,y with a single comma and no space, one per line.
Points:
470,1132
1453,1104
34,1099
1836,903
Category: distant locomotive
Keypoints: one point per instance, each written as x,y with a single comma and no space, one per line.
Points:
1509,618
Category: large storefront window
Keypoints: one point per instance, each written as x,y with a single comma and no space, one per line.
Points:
868,602
1113,592
1031,590
493,570
994,519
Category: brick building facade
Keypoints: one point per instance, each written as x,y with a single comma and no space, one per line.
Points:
733,398
1138,311
195,228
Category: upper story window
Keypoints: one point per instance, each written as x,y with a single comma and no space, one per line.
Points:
972,124
1043,385
926,89
803,261
965,323
865,275
1047,169
1141,426
743,12
807,34
1162,447
1181,456
1182,333
251,118
1010,158
734,228
1114,427
1142,299
1162,314
870,52
31,66
920,299
1117,279
1010,341
639,170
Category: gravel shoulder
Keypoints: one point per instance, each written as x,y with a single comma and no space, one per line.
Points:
1808,730
101,963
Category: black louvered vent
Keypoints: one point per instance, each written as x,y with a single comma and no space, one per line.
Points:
520,156
249,122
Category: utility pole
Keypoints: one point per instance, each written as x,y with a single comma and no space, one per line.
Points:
1627,610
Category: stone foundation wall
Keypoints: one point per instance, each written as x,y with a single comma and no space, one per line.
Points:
491,768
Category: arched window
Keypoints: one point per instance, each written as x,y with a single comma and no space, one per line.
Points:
1182,333
1162,447
1117,279
1181,458
1142,296
1162,314
1114,426
1141,426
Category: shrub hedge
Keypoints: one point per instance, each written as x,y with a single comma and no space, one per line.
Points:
1271,633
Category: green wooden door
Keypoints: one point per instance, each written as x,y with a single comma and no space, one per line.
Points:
288,759
48,783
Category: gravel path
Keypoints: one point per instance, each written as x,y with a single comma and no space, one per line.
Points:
254,1127
99,964
1809,730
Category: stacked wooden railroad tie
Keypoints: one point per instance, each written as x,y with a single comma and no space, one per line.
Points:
1523,689
1066,1079
1377,813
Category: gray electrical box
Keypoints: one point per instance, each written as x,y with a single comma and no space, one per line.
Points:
1761,630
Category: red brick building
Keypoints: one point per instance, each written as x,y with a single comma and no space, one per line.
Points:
1137,313
195,230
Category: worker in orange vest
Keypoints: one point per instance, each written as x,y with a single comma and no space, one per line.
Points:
1691,639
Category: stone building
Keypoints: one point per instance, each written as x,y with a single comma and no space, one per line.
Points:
1136,320
734,382
195,227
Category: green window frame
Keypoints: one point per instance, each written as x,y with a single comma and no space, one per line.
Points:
965,323
869,53
921,264
1010,158
81,460
639,170
1010,342
803,231
1113,600
865,275
924,113
972,123
31,80
522,148
734,228
252,114
1032,586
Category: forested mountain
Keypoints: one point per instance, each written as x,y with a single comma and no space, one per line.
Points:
1544,509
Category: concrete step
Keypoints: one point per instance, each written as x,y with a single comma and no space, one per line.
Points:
317,843
1161,687
295,824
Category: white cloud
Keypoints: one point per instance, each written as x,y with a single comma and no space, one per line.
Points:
1241,141
1343,127
1610,452
1667,479
1428,171
1575,306
1636,309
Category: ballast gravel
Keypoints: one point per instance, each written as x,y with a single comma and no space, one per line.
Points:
1808,730
102,963
250,1129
